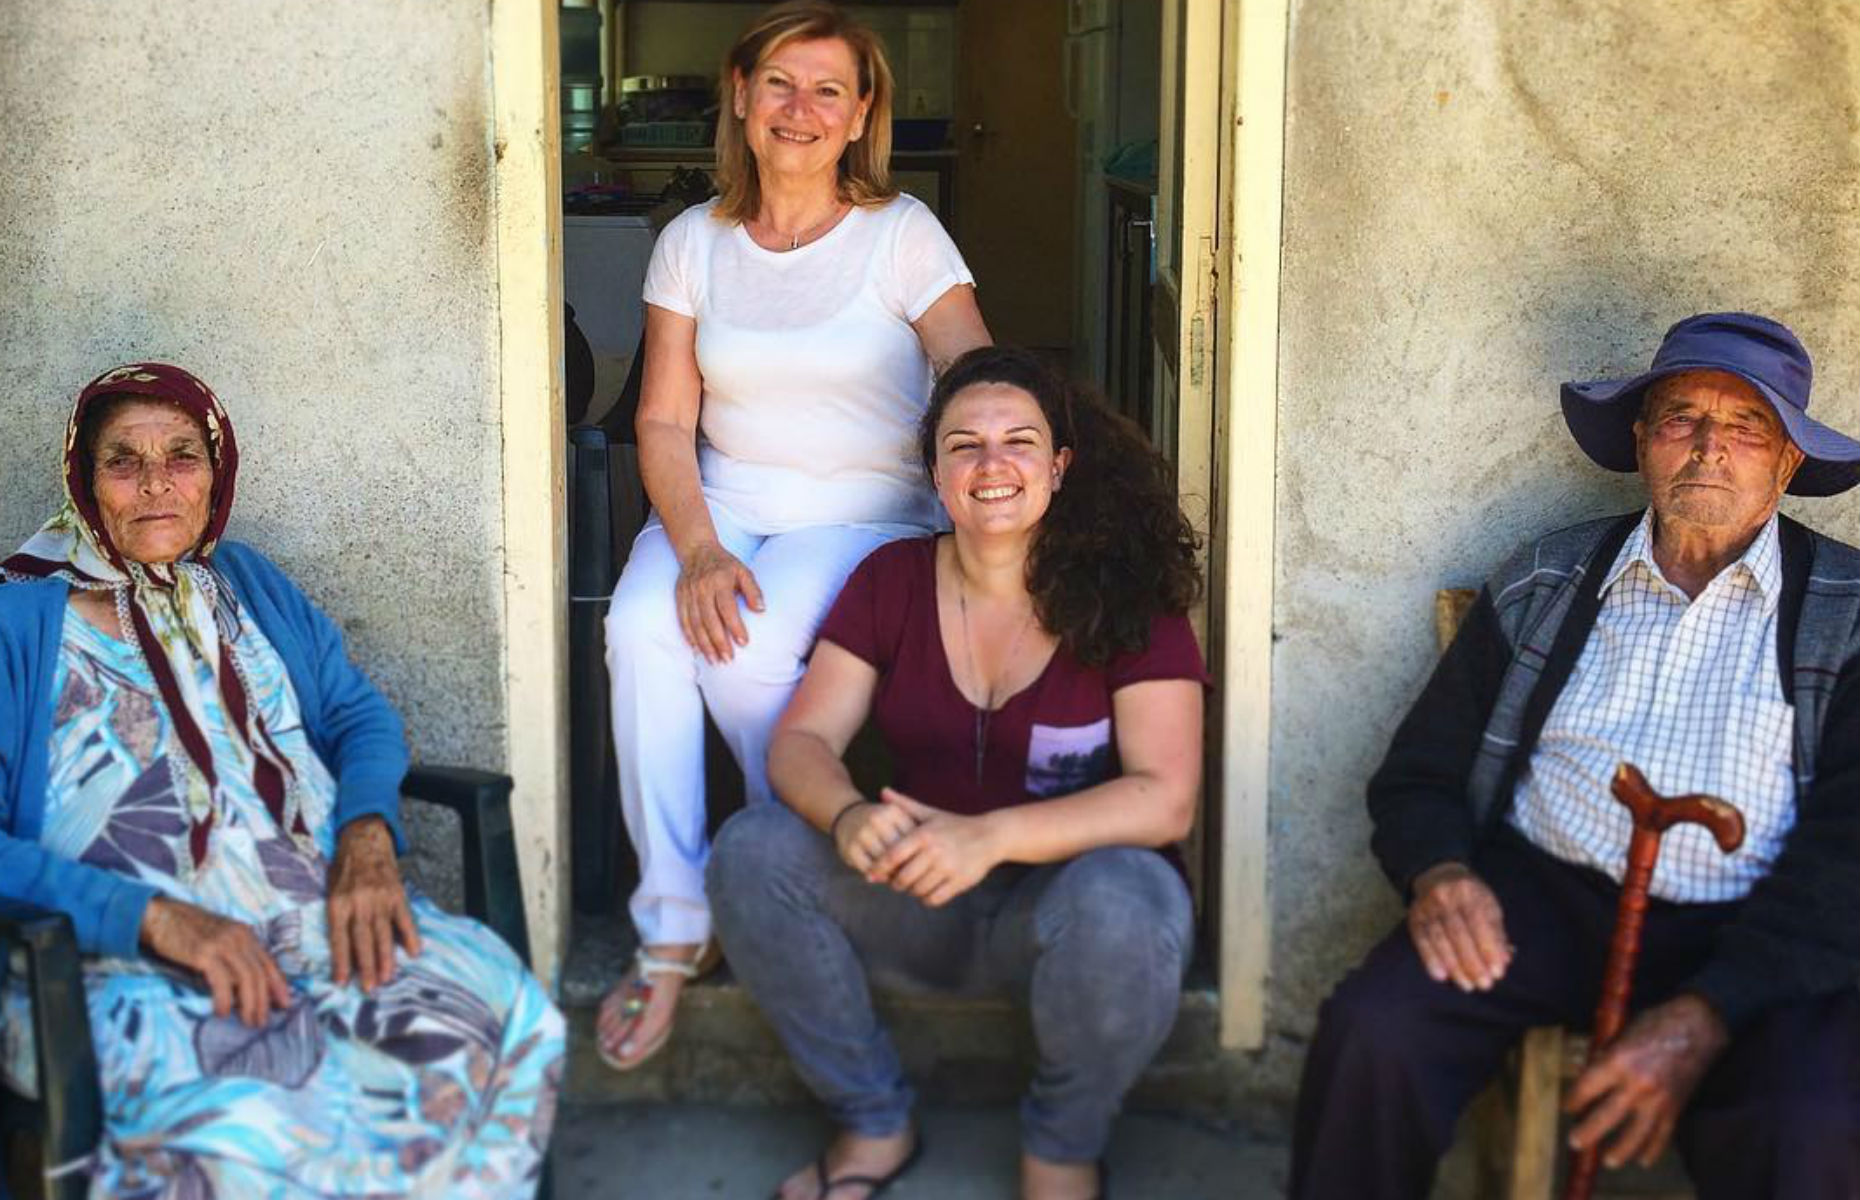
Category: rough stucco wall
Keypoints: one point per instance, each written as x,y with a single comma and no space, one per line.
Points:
293,201
1483,199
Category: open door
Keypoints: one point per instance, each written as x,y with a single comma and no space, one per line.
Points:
1015,170
1188,207
1215,313
1184,318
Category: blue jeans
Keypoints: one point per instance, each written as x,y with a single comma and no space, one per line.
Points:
1095,946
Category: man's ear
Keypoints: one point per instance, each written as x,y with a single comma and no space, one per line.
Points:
1792,458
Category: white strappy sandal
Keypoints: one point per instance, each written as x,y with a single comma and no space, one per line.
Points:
639,994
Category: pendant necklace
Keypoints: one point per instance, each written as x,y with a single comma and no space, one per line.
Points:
985,710
794,239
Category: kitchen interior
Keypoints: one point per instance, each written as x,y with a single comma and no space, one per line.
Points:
1028,126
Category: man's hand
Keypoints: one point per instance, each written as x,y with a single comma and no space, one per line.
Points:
870,829
238,969
1644,1080
942,857
367,905
1459,928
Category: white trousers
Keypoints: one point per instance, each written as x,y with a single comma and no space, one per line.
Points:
661,687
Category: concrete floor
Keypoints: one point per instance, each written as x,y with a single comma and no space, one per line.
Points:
707,1152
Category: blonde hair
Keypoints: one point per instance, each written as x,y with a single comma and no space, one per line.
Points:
865,166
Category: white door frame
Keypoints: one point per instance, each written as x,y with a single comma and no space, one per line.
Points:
1224,374
527,192
1253,91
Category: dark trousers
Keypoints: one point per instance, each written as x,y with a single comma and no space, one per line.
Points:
1397,1057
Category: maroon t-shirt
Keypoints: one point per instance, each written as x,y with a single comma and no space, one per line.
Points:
1054,737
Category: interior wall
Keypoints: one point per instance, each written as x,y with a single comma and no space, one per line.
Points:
683,38
295,205
1484,198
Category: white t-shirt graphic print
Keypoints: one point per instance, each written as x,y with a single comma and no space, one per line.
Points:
814,380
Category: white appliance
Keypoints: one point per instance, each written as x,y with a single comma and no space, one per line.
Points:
603,273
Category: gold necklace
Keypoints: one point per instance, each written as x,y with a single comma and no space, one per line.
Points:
985,710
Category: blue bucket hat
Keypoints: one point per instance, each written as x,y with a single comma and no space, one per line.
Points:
1601,413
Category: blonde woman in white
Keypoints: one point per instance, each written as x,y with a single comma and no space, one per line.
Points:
792,327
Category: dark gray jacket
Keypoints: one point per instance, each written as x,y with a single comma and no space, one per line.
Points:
1455,762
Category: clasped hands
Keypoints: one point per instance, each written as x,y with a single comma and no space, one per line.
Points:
914,848
1634,1093
368,912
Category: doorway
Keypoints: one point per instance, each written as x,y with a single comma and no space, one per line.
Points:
1088,174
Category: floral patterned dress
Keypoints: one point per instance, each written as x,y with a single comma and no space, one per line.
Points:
440,1083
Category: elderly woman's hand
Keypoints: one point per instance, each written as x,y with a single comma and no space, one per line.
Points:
368,905
708,581
226,953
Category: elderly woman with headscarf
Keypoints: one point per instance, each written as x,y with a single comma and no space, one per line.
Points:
194,771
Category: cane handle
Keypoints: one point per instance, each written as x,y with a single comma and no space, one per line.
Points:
1657,814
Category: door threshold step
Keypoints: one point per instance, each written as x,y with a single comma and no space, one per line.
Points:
955,1050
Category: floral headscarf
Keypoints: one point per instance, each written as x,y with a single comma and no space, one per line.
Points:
172,614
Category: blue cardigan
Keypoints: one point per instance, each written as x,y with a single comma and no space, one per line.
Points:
351,727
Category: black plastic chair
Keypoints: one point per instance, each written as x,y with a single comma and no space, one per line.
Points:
65,1122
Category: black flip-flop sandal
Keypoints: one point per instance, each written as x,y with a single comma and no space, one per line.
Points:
877,1185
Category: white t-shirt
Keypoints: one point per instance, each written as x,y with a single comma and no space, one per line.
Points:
814,380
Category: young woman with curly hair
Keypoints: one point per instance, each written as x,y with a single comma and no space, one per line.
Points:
1040,692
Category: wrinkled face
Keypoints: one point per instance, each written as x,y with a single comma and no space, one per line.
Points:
801,106
1713,452
153,479
996,469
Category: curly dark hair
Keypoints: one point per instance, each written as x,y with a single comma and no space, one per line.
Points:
1113,551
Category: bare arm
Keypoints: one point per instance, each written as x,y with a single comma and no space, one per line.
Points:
829,706
710,576
666,426
951,327
806,766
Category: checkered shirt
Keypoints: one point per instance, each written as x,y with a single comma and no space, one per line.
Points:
1689,692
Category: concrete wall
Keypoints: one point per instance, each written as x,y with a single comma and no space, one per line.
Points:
293,201
1483,199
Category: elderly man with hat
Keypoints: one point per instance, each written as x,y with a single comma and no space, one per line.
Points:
1714,644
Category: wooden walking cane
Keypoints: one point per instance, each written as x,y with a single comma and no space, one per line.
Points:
1653,814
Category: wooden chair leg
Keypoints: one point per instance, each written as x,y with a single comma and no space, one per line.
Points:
1534,1142
1492,1125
